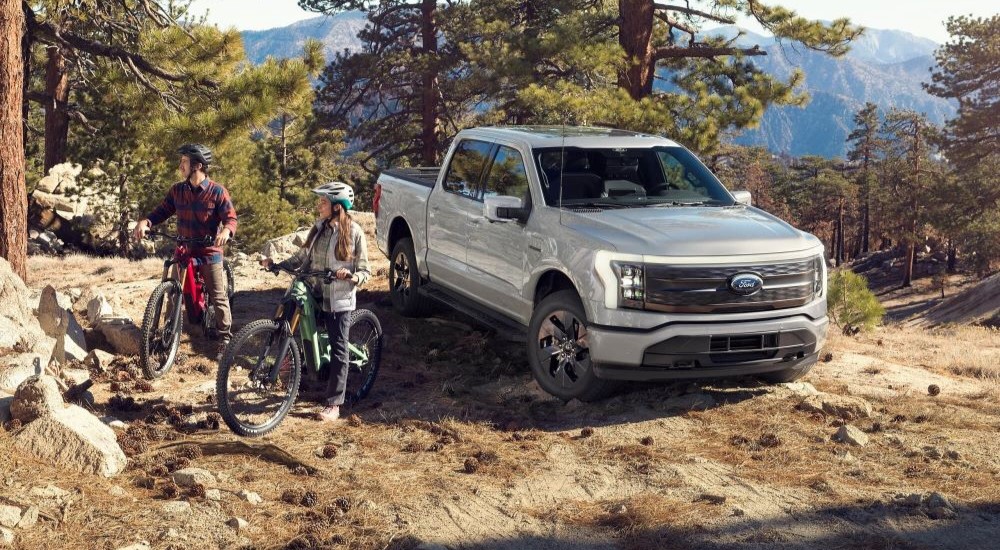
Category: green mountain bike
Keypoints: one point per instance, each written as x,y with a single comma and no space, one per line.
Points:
261,369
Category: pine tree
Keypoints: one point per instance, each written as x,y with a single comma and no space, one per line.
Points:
865,140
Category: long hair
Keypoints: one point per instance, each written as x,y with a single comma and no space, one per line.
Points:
345,244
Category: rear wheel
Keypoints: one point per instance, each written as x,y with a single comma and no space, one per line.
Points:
404,280
365,337
254,392
161,330
559,350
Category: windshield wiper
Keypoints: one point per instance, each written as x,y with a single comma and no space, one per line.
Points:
596,204
709,202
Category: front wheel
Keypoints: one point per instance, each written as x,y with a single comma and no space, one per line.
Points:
253,390
161,330
364,353
559,350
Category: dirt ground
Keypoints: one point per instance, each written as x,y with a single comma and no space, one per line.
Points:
457,447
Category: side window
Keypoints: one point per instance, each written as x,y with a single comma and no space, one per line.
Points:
465,168
507,175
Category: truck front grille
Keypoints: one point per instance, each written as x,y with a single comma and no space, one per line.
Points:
705,289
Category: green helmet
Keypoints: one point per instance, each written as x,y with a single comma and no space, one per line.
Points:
336,191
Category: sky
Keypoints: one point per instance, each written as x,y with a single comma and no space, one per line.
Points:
920,17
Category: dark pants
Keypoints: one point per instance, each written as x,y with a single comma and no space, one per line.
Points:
215,286
337,325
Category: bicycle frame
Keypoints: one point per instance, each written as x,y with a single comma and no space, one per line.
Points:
298,311
191,288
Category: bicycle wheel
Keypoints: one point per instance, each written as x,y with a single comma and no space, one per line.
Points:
364,353
254,394
161,330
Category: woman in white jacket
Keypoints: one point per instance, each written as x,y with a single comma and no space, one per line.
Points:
336,242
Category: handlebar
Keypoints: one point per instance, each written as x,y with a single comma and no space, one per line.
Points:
328,275
205,241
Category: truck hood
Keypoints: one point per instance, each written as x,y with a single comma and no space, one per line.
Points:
690,231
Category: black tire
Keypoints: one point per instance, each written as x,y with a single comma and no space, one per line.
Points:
365,333
230,281
557,352
790,374
161,330
404,280
235,373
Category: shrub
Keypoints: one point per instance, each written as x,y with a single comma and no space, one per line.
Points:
852,306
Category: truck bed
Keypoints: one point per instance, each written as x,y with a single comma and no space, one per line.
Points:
425,176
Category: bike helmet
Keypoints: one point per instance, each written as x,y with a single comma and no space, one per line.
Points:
197,153
336,191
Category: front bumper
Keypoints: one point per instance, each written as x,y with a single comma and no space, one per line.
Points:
706,350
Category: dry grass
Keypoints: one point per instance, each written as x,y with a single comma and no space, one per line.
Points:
80,270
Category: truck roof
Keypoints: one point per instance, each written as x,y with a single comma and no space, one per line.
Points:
570,136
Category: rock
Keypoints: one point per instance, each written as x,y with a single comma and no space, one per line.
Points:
251,497
61,178
848,408
5,401
117,491
238,523
75,377
283,247
115,424
6,537
18,369
213,494
29,518
188,477
911,500
122,334
177,508
10,333
74,438
852,435
36,397
9,515
12,294
940,512
97,308
141,545
98,360
59,323
49,492
172,533
937,500
805,389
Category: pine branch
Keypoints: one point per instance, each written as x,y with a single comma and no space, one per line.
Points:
703,51
692,11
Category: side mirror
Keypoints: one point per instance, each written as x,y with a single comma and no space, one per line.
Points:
742,197
502,208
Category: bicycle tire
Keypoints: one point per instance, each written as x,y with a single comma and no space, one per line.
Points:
360,384
222,389
149,331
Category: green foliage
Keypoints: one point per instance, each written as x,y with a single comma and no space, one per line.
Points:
851,305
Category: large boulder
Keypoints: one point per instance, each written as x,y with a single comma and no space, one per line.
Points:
60,179
98,307
13,291
74,438
122,334
59,323
38,396
841,406
281,248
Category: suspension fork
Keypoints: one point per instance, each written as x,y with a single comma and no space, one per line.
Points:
287,333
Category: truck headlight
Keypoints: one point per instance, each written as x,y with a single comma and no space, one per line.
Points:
819,276
631,284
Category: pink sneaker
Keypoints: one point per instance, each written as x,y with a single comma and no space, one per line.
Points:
329,414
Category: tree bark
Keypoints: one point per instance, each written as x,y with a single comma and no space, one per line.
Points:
840,233
635,34
56,119
283,178
13,195
429,98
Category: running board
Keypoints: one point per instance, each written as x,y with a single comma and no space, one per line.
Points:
505,329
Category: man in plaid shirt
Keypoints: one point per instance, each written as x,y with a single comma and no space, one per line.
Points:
203,208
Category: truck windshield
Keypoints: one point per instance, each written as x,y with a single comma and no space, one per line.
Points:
629,177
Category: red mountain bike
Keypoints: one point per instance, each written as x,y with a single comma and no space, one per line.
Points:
161,324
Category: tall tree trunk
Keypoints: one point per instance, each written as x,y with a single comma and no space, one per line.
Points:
635,34
952,256
865,226
429,103
840,233
13,195
283,176
911,252
56,119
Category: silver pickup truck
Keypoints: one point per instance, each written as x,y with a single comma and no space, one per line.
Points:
619,254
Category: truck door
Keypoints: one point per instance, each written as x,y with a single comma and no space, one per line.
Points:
450,209
498,250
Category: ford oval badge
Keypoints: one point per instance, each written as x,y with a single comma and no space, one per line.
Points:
745,284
